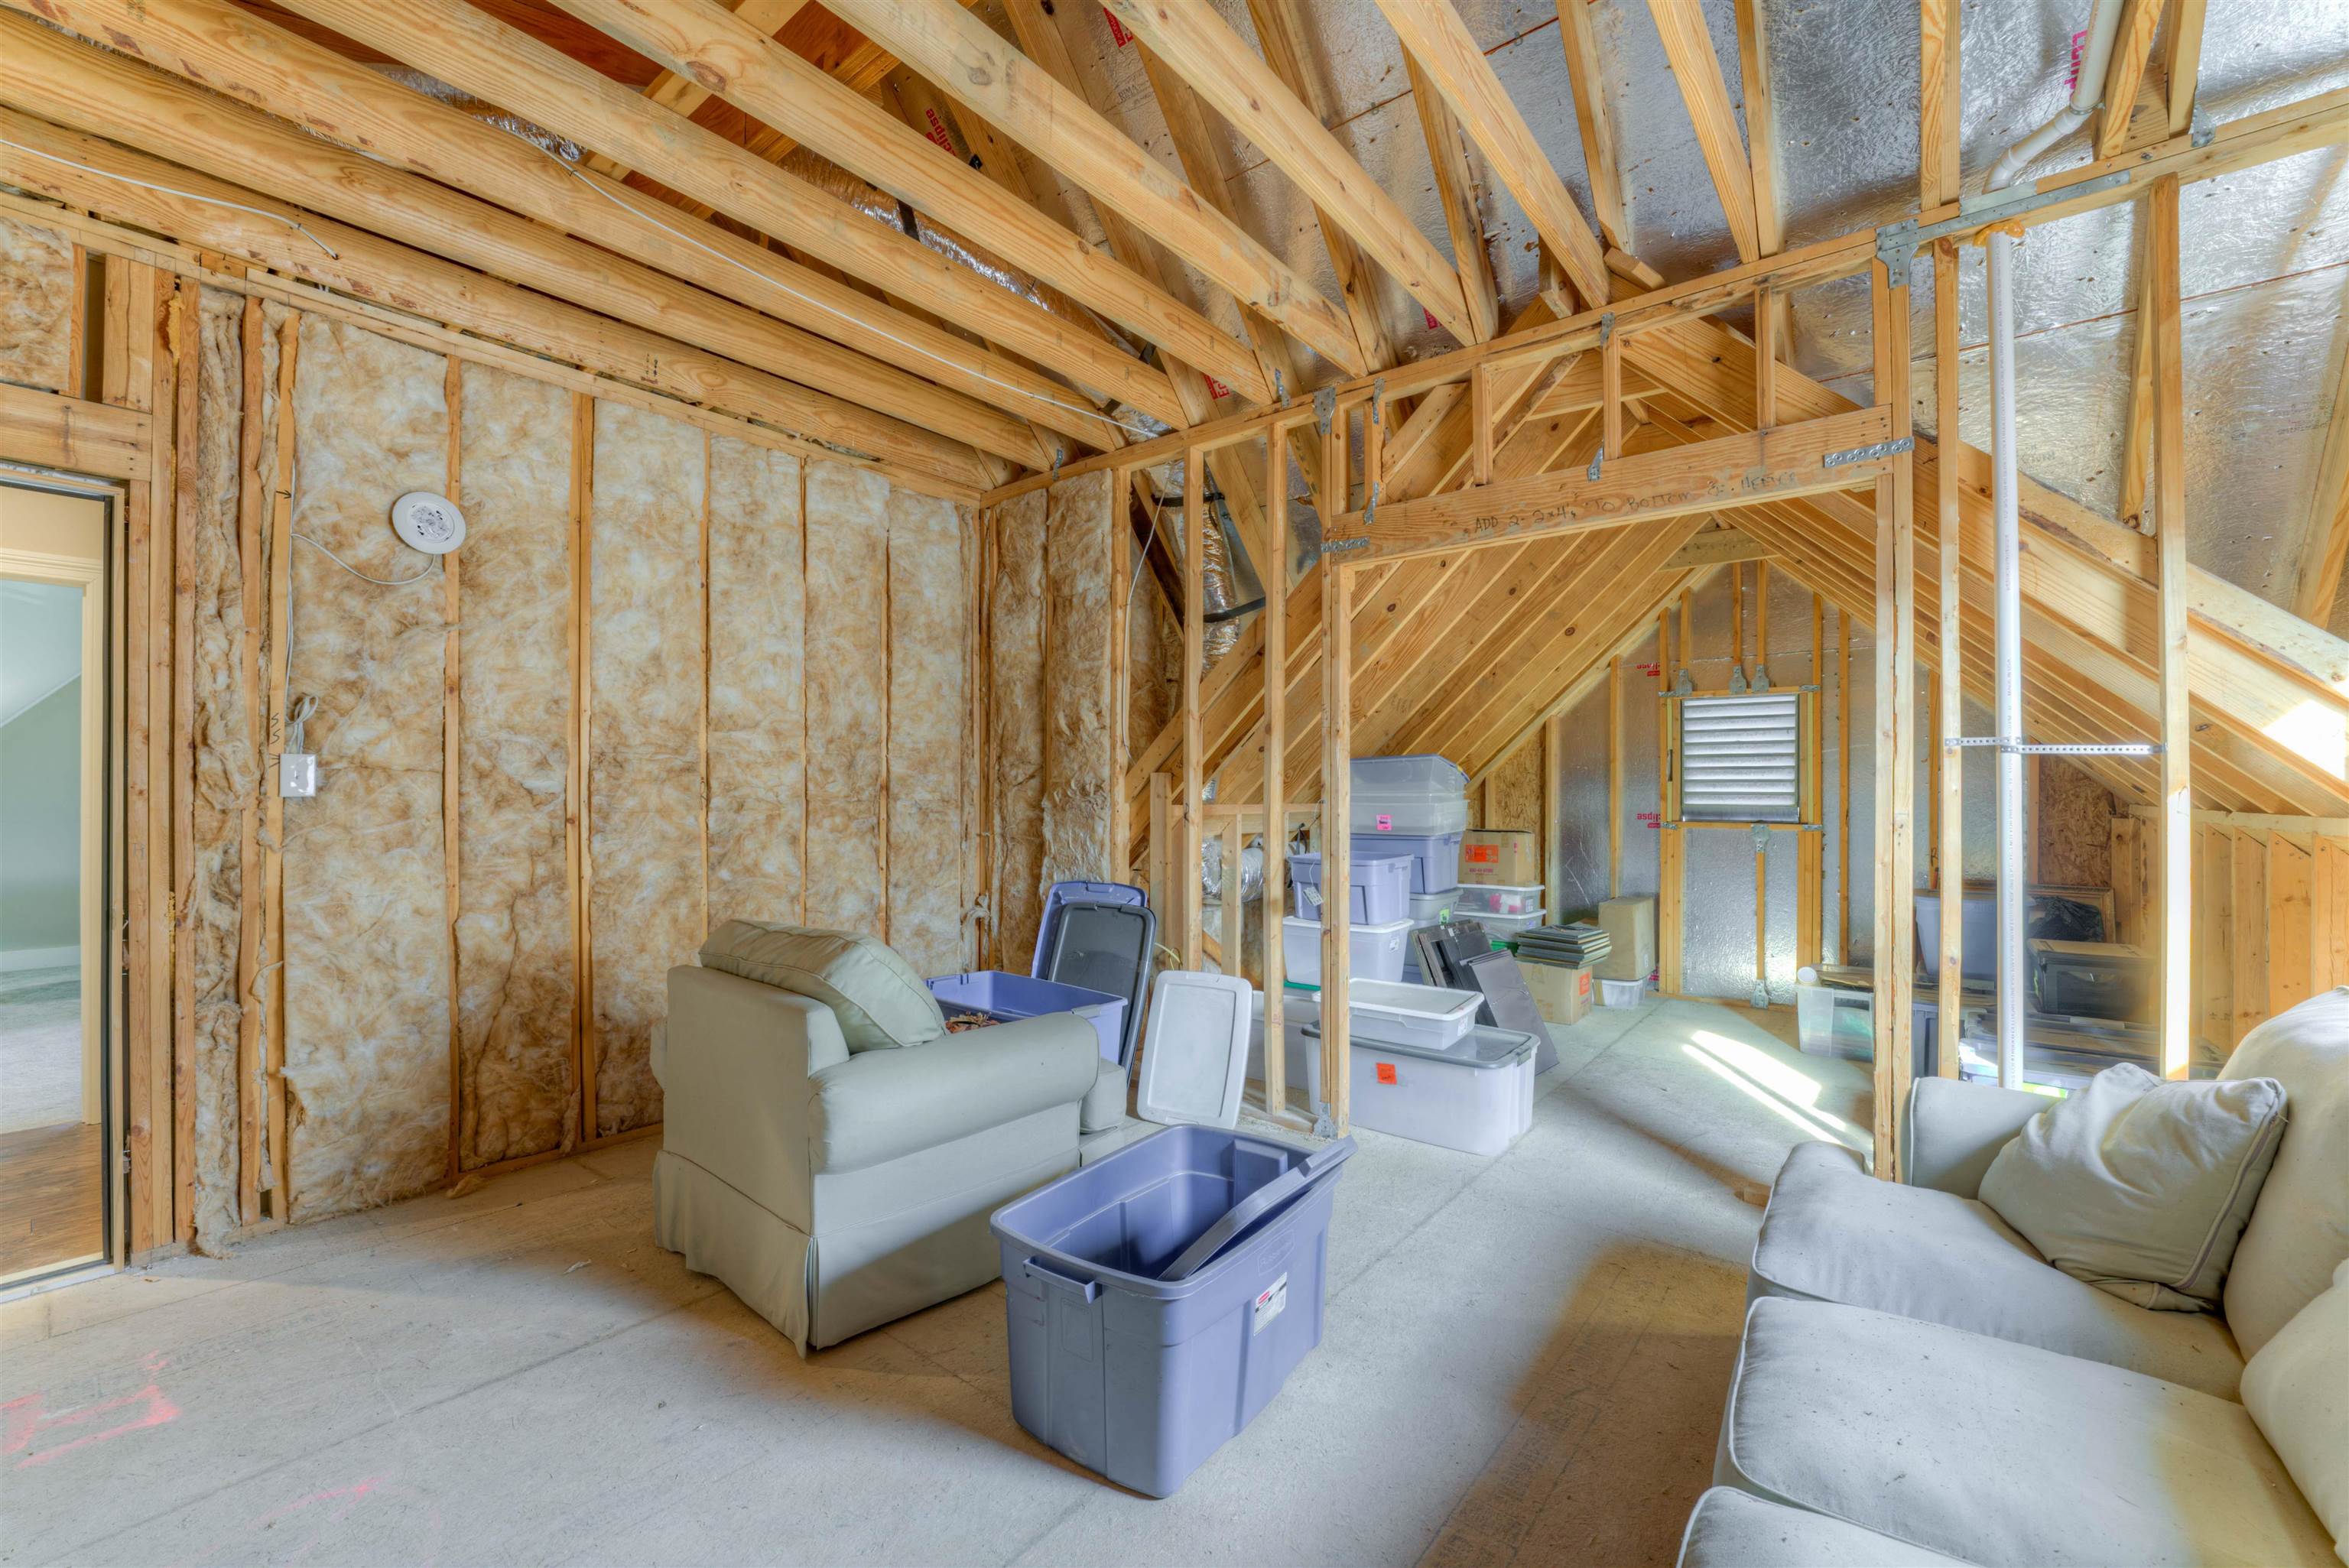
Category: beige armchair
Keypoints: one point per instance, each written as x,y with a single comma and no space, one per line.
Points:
830,1151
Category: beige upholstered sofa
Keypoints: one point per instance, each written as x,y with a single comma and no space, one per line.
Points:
829,1150
1916,1385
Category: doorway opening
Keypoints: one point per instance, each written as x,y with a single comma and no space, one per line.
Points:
55,1078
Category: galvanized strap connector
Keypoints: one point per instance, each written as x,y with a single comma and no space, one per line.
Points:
2029,749
1868,454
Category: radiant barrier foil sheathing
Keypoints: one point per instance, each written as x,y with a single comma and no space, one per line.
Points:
644,757
758,724
516,1093
366,964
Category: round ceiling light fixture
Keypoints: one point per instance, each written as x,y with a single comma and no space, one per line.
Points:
427,522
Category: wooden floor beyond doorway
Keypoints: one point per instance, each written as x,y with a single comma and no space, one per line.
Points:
50,1211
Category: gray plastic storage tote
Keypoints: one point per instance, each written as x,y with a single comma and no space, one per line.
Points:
1157,1299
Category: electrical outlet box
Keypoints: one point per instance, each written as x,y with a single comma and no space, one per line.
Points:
297,775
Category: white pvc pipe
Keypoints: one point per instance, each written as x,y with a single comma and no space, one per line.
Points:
2008,673
2103,24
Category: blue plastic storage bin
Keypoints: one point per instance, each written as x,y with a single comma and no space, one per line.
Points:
1379,887
1434,860
1006,996
1156,1300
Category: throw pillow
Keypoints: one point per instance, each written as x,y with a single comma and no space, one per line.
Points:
2139,1186
2297,1389
876,996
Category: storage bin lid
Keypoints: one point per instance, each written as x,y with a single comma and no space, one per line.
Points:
1483,1047
1066,893
1103,947
1307,868
1381,928
1393,997
1423,773
1198,1057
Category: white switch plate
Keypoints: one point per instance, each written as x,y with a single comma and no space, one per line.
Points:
297,775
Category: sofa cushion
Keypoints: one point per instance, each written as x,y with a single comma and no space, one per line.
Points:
2139,1186
2001,1454
2299,1229
1831,1233
1732,1529
878,999
2297,1389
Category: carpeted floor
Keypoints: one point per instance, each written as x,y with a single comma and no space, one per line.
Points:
40,1047
1523,1362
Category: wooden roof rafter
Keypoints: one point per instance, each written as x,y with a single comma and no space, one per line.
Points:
968,61
501,64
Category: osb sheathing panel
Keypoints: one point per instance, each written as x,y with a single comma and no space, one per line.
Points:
1077,755
37,291
757,723
645,758
2073,814
516,1093
929,703
367,971
1016,722
848,634
227,762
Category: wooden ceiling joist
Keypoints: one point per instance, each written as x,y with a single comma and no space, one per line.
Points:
1245,89
1593,118
1455,192
763,79
47,74
473,50
235,54
367,267
1432,34
974,65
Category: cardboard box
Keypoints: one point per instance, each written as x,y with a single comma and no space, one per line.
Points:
1510,856
1631,924
1561,996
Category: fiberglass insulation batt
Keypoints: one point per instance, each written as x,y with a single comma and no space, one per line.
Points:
757,724
1078,756
1016,717
227,757
514,947
37,289
847,694
645,777
929,701
367,935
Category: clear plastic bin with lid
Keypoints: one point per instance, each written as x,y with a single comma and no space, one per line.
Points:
1422,796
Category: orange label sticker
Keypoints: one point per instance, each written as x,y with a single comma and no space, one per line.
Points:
1484,854
1386,1072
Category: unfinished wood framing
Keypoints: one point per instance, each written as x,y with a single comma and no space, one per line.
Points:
1896,738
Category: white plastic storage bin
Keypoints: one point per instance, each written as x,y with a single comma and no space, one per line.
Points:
1435,857
1476,1095
1479,902
1429,908
1501,927
1621,992
1424,796
1378,887
1411,1015
1833,1022
1377,950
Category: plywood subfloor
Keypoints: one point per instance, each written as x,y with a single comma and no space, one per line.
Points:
1523,1361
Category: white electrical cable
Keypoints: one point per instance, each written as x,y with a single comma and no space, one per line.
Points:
1091,413
378,582
173,191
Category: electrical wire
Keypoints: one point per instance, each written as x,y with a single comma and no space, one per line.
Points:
173,191
602,190
378,582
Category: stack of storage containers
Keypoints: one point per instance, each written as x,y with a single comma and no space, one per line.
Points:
1411,810
1415,806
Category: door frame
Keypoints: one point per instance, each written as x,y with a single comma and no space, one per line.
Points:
101,917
